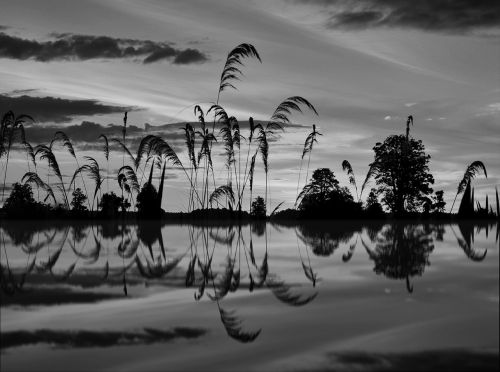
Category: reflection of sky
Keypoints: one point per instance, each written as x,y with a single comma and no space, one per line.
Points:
454,305
363,83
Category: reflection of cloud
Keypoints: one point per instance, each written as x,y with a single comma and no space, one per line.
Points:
426,360
43,295
68,47
85,338
57,110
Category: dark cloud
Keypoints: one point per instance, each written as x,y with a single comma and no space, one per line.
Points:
166,52
70,47
459,16
57,110
86,132
188,56
85,136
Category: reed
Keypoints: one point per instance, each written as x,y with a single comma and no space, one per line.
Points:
10,126
469,174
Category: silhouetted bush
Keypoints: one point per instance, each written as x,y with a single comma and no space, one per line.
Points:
258,208
323,198
110,204
21,203
147,202
78,200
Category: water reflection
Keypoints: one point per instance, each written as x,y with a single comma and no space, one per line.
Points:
401,251
212,261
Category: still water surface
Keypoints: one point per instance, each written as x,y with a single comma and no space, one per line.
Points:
315,296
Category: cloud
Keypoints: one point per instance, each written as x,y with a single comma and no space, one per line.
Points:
71,47
189,56
85,136
430,15
86,132
56,110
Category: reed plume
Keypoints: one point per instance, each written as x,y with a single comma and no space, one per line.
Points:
34,178
45,153
105,150
62,137
307,149
231,71
9,127
346,167
470,172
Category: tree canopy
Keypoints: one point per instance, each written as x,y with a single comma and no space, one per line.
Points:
259,207
323,197
78,200
402,173
147,202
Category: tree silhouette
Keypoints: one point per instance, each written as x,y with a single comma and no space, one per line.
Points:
78,200
110,203
401,171
147,205
259,207
323,197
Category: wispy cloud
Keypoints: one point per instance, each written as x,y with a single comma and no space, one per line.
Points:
71,47
431,15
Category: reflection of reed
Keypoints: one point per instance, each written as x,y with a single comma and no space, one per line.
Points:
245,251
467,240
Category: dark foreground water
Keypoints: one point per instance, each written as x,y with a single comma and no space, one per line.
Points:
317,296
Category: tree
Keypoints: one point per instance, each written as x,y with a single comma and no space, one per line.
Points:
373,207
78,200
259,207
147,202
372,198
323,197
322,182
20,197
110,203
438,202
402,173
21,203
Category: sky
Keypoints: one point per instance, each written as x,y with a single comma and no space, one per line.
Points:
364,65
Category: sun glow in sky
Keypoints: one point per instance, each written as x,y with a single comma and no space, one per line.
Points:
365,68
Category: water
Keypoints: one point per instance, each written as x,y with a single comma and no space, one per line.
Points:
316,296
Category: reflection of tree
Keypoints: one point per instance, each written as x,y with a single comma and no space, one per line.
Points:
438,230
149,232
324,240
258,228
401,252
373,228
